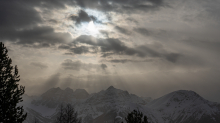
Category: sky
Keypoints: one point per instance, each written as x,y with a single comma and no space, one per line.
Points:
147,47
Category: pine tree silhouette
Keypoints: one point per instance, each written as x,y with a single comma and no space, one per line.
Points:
67,114
10,92
136,117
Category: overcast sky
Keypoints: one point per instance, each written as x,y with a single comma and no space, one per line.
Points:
147,47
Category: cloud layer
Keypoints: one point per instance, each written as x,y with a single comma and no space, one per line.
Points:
161,45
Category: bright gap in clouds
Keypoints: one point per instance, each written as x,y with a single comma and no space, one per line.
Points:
88,29
92,29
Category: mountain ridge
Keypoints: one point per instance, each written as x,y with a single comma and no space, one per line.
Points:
182,106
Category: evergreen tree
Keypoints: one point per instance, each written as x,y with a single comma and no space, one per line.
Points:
67,114
60,115
10,92
136,117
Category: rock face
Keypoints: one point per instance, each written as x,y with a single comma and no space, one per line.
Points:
112,105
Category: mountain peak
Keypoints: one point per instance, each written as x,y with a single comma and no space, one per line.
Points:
186,94
81,93
51,93
68,89
176,98
53,90
111,87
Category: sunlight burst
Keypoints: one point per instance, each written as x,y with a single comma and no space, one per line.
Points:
91,28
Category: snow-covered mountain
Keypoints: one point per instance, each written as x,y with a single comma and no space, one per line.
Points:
112,105
184,107
109,103
56,96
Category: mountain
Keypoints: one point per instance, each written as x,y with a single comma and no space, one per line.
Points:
114,96
44,108
185,107
107,104
112,105
80,94
55,96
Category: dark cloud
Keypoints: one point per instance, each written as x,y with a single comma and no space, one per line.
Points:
130,19
17,14
103,66
107,54
95,4
111,46
123,30
172,57
120,5
86,39
127,60
19,20
77,65
158,2
120,60
83,17
106,45
43,36
68,54
39,64
80,50
104,32
151,32
142,31
64,46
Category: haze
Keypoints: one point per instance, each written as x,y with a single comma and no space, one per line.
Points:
147,47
